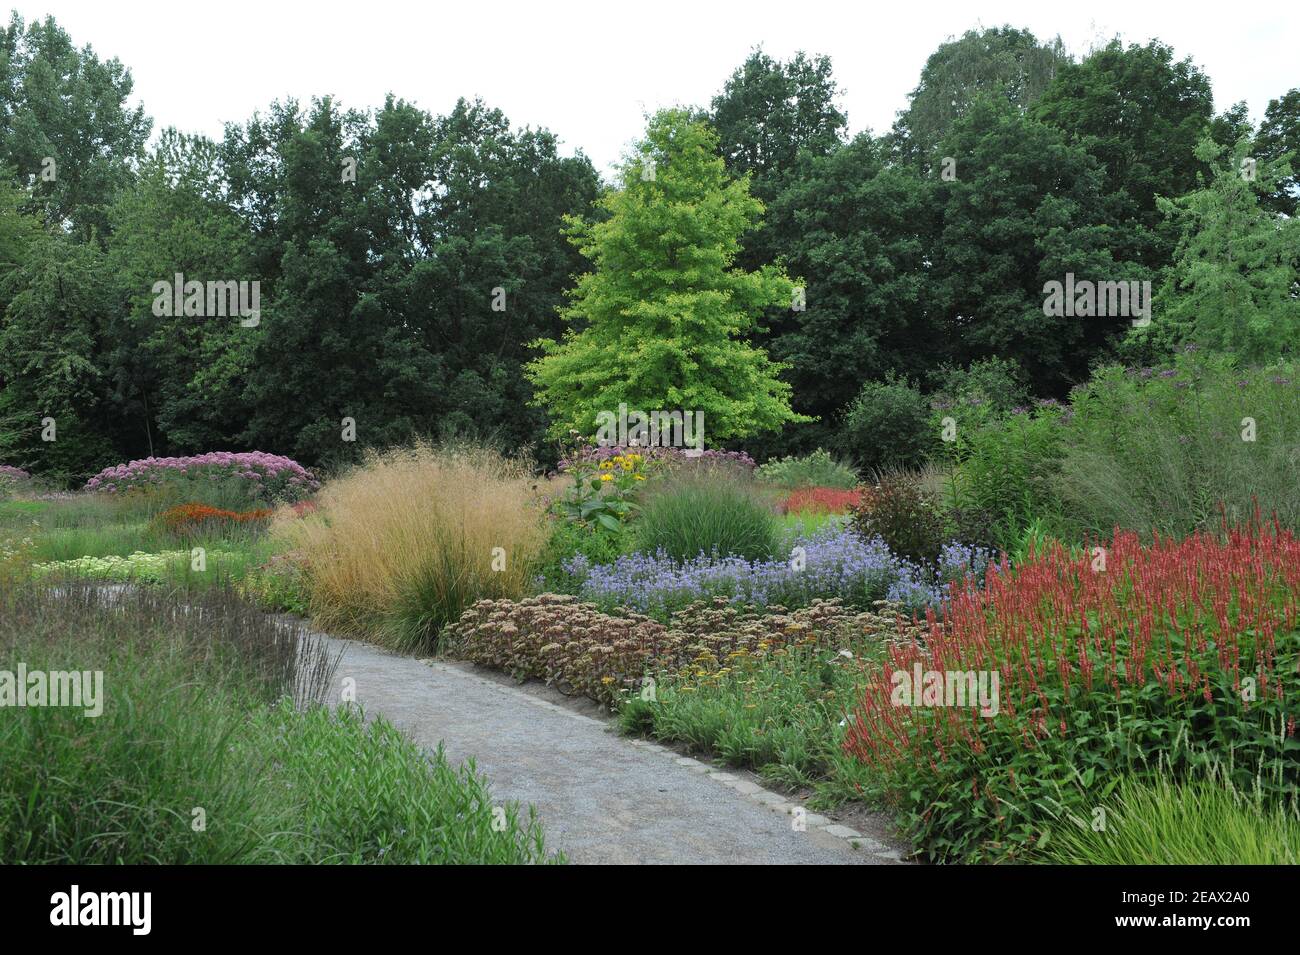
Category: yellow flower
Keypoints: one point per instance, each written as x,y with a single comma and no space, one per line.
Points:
640,477
607,477
606,465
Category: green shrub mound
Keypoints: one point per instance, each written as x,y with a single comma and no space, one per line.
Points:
697,515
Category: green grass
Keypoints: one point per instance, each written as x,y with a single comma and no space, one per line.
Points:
66,532
790,526
212,748
1156,822
779,716
690,516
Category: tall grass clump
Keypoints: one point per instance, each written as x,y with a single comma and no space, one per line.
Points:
205,744
1164,449
400,546
690,516
1202,822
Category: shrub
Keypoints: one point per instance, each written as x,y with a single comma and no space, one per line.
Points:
1006,473
581,651
1102,670
251,476
904,514
691,516
817,469
567,541
986,390
831,563
887,426
401,546
1200,822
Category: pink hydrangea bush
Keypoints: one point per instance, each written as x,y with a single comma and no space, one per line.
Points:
270,477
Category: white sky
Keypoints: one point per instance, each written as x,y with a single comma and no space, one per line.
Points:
590,71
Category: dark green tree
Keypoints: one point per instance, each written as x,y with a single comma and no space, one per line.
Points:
66,105
1140,113
1000,62
1279,139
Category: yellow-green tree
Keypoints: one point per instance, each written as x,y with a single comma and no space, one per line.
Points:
662,322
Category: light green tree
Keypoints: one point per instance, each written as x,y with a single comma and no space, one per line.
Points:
662,321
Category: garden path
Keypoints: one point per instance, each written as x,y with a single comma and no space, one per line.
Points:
601,798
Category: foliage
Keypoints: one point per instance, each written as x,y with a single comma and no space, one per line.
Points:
581,651
857,229
887,426
1171,449
1232,285
680,343
603,493
998,62
830,562
1161,659
398,547
1140,114
64,102
289,783
567,541
1028,206
264,477
1006,472
905,515
779,709
1200,822
818,469
1277,139
696,515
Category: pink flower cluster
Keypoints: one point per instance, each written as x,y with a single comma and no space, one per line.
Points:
273,475
11,473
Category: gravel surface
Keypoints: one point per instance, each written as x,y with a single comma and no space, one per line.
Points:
601,798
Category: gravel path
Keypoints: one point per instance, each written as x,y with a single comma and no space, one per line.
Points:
601,798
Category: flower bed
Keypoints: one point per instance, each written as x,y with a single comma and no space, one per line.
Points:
832,563
822,500
187,520
269,476
10,473
139,566
1170,658
575,647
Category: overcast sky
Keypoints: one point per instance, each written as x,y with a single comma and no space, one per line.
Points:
590,71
